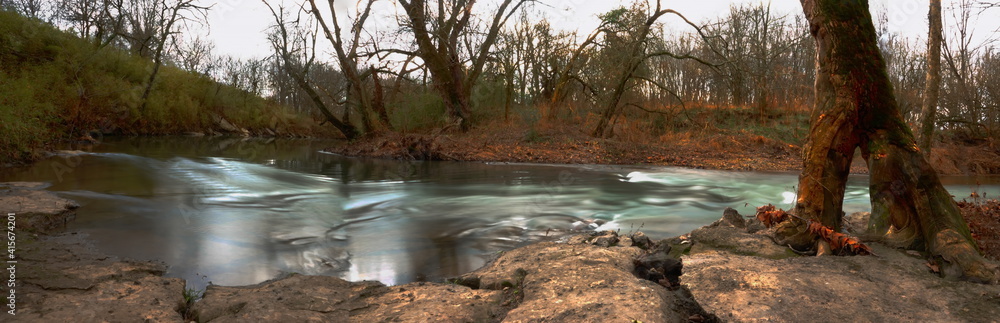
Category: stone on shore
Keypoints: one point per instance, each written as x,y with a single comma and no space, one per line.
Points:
299,298
576,281
733,281
63,279
739,236
35,210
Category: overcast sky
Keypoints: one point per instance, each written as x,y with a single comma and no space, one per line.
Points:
237,26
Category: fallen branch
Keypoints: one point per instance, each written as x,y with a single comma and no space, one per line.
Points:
840,243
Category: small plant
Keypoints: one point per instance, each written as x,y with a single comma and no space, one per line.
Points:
191,295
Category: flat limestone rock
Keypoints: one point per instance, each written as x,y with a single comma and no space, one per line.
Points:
555,282
892,287
23,185
35,210
300,298
63,279
430,302
733,237
293,299
578,283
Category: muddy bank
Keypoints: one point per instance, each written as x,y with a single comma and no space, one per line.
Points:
567,145
727,271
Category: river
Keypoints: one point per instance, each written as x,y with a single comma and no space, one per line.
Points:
236,212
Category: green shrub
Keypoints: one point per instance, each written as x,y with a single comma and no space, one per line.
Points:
418,111
54,85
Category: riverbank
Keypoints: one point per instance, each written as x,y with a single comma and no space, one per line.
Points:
57,89
721,150
729,270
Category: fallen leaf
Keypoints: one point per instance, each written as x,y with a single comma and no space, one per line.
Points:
933,266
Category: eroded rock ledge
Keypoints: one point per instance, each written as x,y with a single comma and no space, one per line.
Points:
736,272
589,278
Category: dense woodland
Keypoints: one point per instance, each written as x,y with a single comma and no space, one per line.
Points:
645,73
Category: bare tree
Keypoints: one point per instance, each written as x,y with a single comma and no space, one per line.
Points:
297,63
370,105
163,23
452,51
529,59
635,41
195,55
568,72
37,9
928,111
101,21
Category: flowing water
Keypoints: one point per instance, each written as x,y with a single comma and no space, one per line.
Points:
236,212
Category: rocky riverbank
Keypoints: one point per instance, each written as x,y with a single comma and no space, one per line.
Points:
736,272
727,271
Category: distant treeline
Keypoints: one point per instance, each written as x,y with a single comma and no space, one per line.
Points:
423,65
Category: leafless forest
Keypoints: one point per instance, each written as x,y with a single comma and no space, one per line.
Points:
416,65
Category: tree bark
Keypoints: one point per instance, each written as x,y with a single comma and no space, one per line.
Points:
932,87
855,107
378,101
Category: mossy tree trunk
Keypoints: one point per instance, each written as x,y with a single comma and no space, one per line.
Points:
855,107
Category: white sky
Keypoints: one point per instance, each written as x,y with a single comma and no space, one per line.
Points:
237,26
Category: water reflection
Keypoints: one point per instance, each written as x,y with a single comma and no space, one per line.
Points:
237,212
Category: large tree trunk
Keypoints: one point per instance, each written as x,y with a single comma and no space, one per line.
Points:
855,107
932,87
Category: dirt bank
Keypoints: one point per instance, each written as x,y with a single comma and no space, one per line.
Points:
566,145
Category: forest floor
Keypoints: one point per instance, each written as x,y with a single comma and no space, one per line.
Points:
983,217
720,149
